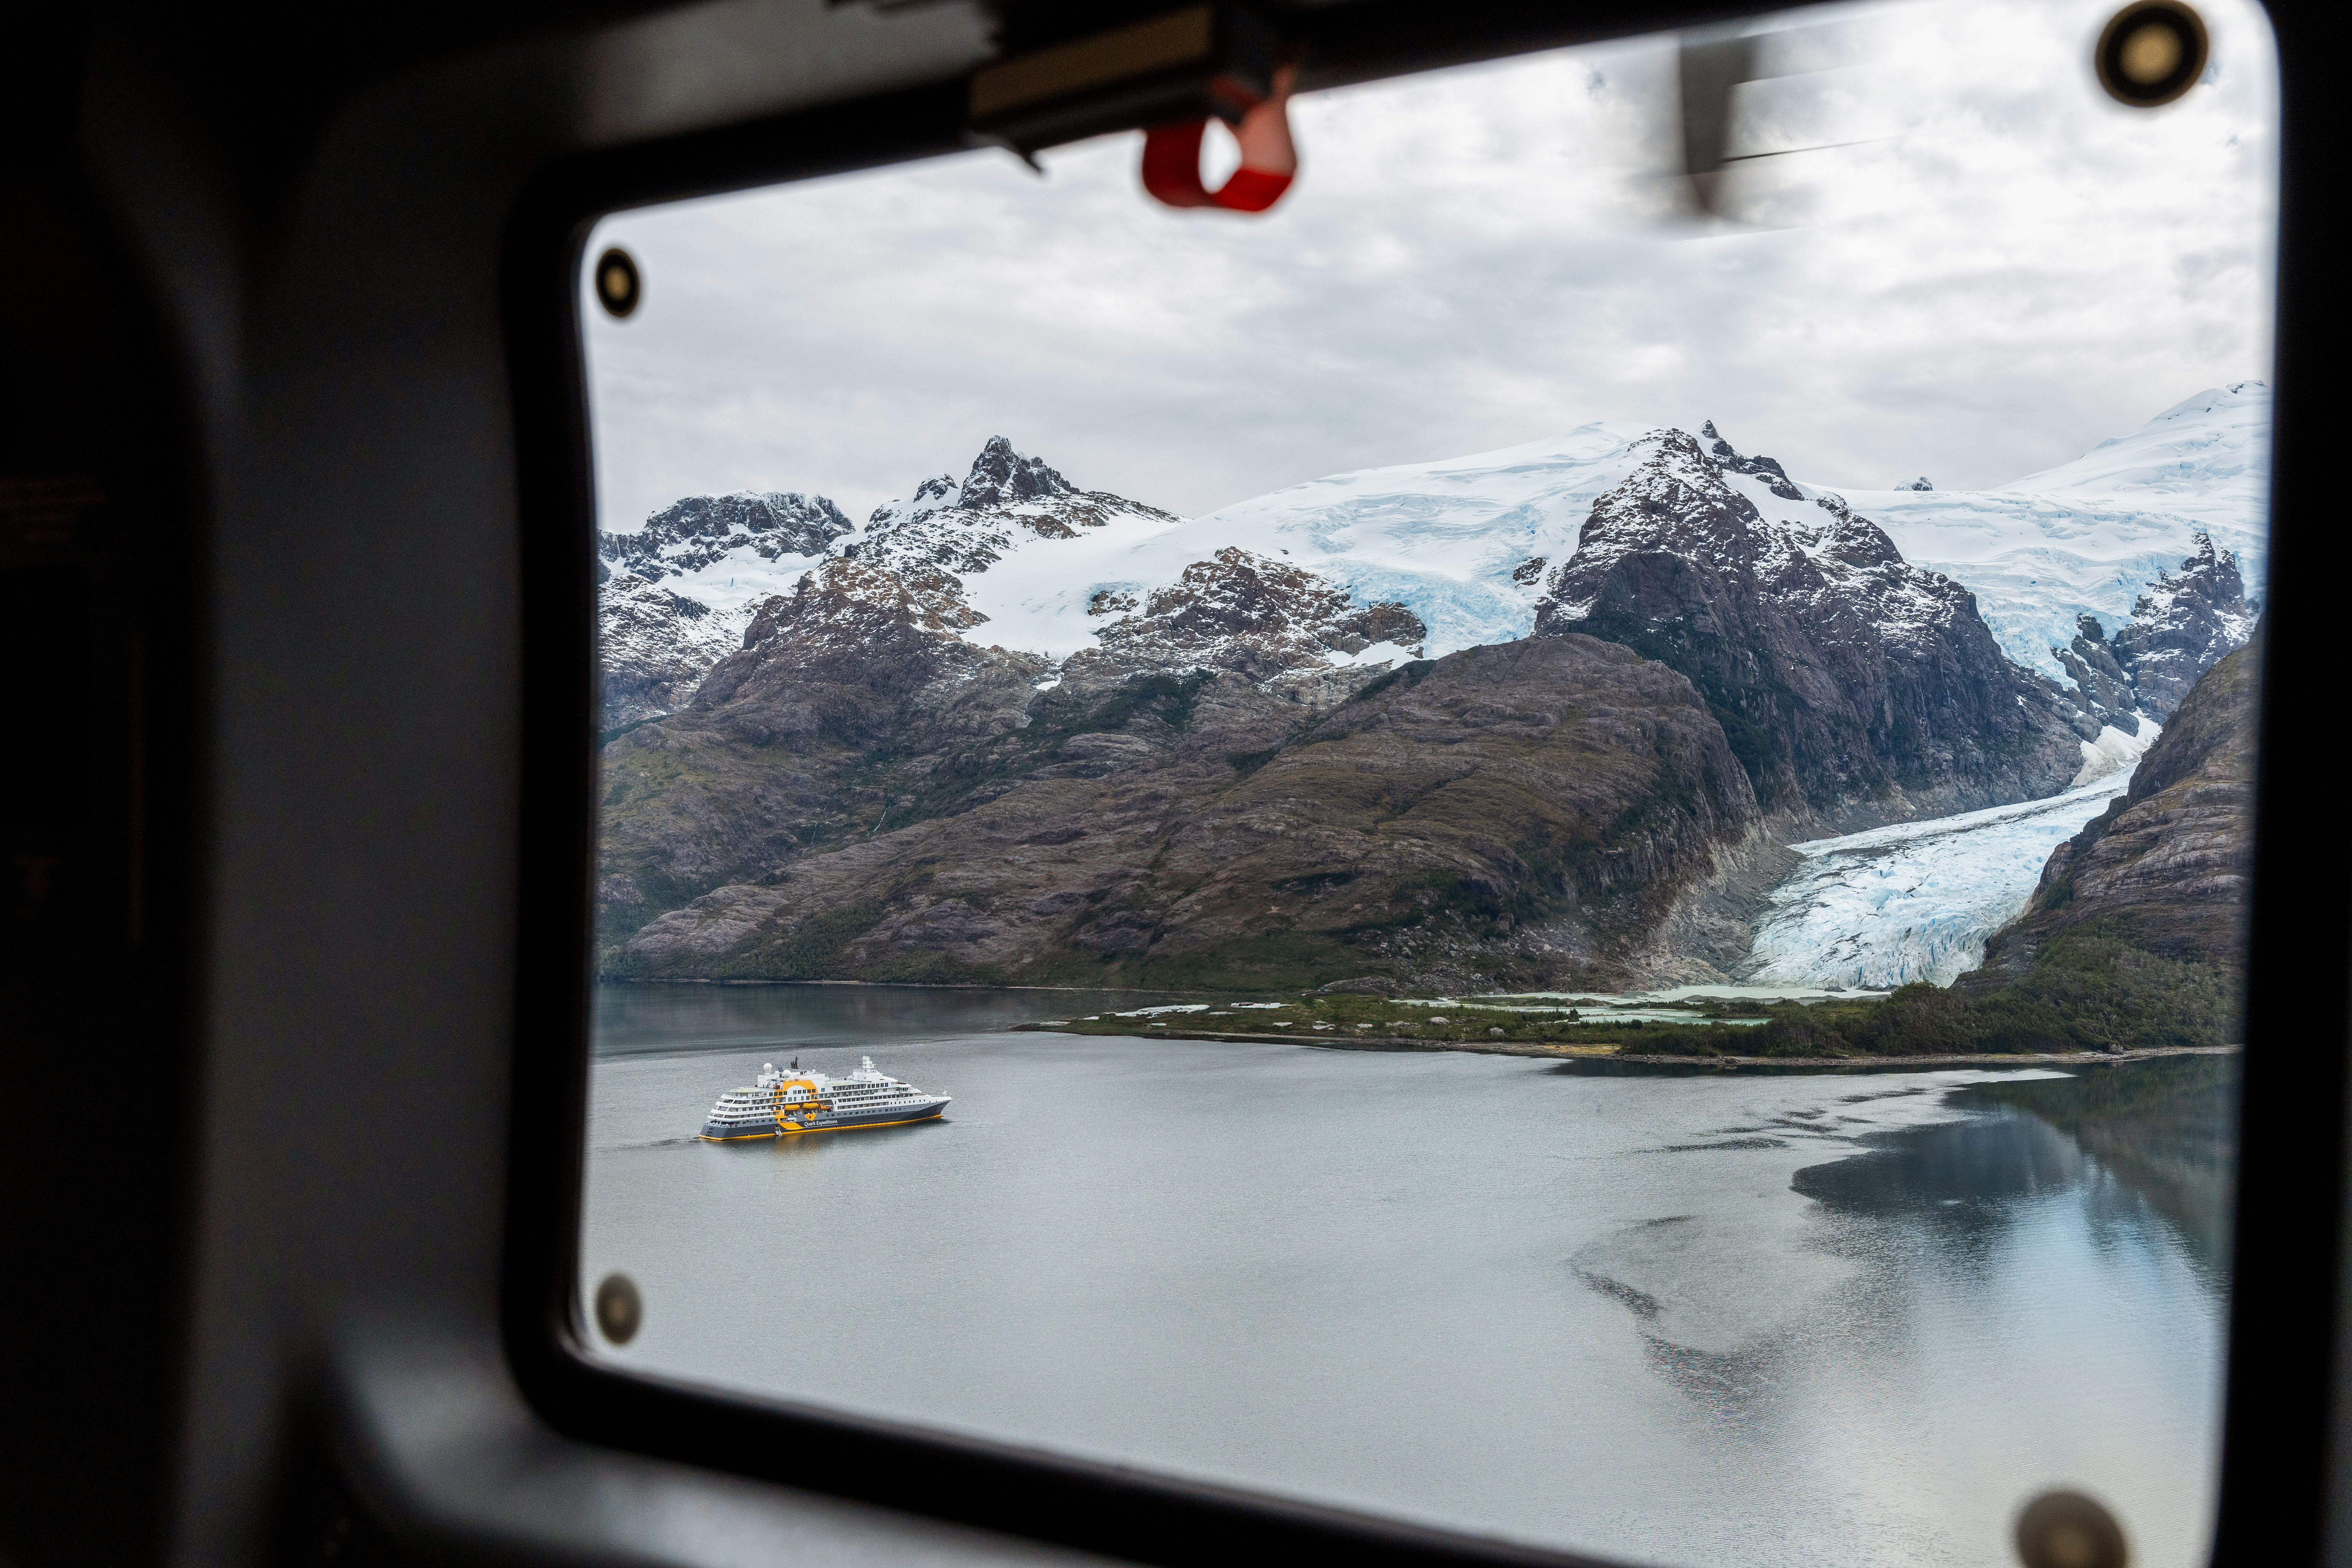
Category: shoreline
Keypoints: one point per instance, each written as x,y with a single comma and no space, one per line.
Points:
1608,1054
884,984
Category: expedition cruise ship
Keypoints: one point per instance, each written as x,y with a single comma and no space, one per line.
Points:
795,1101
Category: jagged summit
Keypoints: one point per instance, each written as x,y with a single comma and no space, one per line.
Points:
967,525
690,534
1840,671
1254,616
1001,476
956,533
1921,483
1765,469
2183,625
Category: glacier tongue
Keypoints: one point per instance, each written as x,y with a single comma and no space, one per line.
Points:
1917,899
2115,749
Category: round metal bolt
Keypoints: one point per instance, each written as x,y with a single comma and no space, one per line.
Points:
618,287
2148,53
2067,1530
2152,52
619,1310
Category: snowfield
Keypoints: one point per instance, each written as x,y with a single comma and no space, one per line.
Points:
2087,536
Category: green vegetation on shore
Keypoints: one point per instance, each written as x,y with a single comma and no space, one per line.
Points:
2087,992
1350,1016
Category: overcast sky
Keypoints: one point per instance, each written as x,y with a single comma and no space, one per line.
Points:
2006,269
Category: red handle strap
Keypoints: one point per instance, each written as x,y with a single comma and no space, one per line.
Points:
1171,158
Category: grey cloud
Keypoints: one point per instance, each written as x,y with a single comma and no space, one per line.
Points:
2012,271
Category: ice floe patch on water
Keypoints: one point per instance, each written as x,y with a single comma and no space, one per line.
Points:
1915,900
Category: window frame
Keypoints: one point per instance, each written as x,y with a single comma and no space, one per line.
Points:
2281,1367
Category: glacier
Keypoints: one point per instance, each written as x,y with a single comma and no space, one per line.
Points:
1916,901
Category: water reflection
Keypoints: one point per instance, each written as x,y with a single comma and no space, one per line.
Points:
1734,1319
2167,1130
2036,1259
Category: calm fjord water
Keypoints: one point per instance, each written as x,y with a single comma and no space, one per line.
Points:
1787,1318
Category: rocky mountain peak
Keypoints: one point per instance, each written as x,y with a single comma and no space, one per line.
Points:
965,527
1000,477
2183,625
845,592
1918,484
1840,671
1858,542
1251,615
1765,469
848,621
690,533
654,644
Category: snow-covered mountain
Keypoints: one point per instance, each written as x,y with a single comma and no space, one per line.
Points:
658,641
2089,536
654,647
1453,541
1844,675
1015,555
1650,653
2182,624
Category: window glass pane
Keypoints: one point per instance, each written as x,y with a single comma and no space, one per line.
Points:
1536,843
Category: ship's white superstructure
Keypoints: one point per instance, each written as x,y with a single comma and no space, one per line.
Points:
789,1101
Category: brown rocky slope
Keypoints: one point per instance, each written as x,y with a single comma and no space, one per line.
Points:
776,754
854,708
2165,868
1532,814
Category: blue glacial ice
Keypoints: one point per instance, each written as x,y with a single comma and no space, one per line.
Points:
1917,899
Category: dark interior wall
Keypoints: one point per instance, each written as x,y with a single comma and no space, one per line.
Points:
102,650
325,268
265,265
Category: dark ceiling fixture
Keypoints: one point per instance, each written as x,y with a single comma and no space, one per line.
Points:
1185,64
